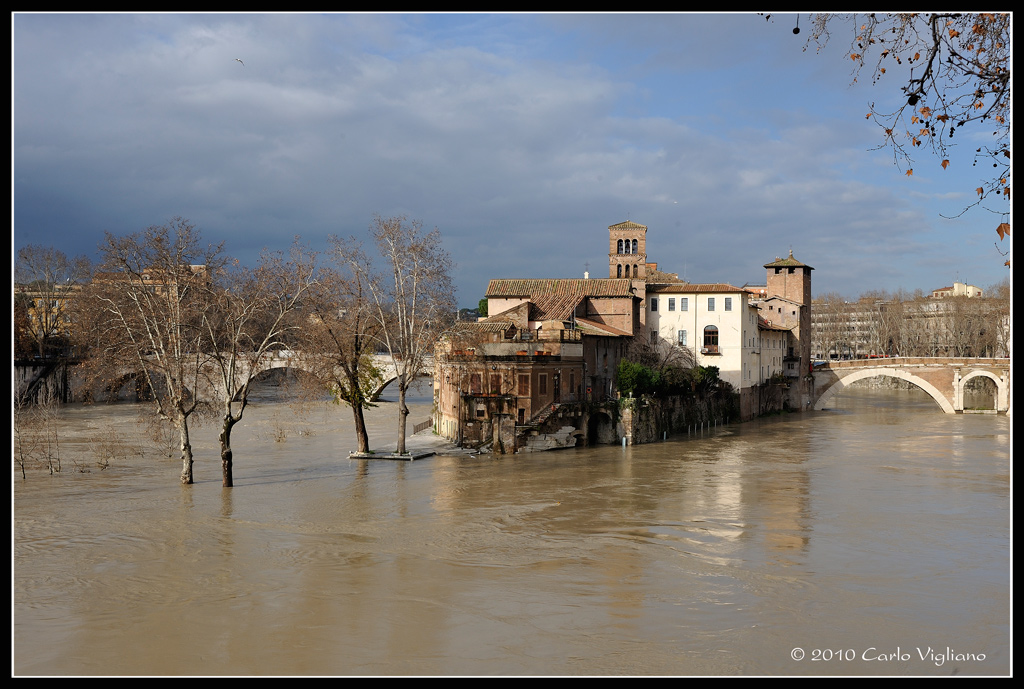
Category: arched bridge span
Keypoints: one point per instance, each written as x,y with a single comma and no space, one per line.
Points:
944,379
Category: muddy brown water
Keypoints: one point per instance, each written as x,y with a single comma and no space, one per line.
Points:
870,539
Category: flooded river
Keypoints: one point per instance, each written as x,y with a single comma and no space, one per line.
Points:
870,539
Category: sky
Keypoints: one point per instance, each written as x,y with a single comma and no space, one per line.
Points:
521,137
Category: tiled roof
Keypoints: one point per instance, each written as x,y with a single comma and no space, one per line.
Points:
627,225
692,288
556,299
588,327
532,287
787,263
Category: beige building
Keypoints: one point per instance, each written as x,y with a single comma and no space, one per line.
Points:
753,335
958,289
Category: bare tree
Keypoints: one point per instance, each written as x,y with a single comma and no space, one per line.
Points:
342,333
247,316
999,315
832,324
413,302
47,282
148,305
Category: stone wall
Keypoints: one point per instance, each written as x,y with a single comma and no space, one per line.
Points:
647,420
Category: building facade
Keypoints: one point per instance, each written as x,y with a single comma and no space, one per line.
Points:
548,343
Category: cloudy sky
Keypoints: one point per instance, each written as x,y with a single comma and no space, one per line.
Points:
522,137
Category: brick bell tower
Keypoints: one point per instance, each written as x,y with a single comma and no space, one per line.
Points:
627,258
627,252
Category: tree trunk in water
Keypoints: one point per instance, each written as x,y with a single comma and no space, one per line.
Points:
225,451
403,412
361,435
186,455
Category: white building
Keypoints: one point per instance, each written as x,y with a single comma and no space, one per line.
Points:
722,326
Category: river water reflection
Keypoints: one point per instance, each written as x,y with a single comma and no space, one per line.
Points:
865,537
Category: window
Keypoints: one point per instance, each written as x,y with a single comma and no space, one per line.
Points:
635,269
542,384
654,337
728,303
711,303
495,383
524,385
682,338
619,247
654,303
671,304
620,270
711,340
474,383
684,304
634,247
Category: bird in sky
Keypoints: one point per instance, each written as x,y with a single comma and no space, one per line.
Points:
239,61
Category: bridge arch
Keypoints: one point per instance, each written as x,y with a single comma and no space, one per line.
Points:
854,376
389,379
1002,388
281,374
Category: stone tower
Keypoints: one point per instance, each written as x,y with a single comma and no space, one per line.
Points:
790,279
627,252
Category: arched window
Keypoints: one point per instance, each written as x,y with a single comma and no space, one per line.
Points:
711,339
635,269
634,247
620,270
620,247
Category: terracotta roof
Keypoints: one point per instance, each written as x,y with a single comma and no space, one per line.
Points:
588,327
556,299
789,262
691,288
532,287
627,225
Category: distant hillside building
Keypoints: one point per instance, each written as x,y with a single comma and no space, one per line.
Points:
958,289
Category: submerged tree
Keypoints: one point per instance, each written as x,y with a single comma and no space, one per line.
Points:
147,309
413,301
247,317
342,333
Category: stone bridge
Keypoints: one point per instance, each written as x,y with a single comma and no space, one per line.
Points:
297,361
31,376
942,378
